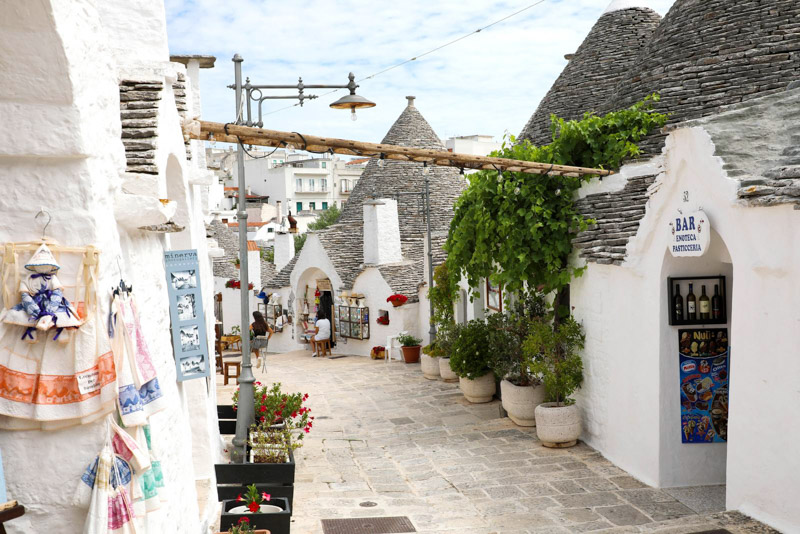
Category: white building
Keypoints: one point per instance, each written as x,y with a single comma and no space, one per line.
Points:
476,145
93,135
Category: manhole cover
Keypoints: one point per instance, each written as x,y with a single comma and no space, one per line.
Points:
367,525
715,531
368,504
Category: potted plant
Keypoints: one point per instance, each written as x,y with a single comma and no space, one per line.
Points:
237,263
411,347
471,359
445,334
430,362
521,391
261,510
397,300
552,351
244,527
442,296
378,352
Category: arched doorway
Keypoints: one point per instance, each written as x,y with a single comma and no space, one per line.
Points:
684,458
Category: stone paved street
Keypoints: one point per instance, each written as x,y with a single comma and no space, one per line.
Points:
387,442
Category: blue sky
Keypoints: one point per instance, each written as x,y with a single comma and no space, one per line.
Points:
489,83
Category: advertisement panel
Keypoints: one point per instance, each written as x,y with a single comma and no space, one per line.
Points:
704,374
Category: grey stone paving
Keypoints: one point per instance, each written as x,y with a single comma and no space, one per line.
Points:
417,448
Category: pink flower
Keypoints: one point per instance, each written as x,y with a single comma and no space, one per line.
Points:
239,498
266,496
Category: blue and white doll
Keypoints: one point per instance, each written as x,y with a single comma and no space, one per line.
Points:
43,305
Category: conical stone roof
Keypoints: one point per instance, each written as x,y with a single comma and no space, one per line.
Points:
589,79
708,54
344,241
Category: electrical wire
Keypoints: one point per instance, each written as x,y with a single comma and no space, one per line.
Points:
431,51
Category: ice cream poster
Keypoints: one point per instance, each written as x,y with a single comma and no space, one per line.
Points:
704,374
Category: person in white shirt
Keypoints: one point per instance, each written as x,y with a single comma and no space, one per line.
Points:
323,331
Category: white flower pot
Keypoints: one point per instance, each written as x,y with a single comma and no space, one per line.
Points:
478,390
521,401
558,426
430,367
265,509
444,370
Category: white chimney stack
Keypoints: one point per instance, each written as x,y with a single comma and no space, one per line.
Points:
381,232
284,249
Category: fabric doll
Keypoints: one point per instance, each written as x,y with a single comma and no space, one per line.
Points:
43,305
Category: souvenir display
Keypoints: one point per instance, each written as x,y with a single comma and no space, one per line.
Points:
56,364
189,340
704,374
352,321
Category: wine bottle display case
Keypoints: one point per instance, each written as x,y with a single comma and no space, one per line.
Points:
715,304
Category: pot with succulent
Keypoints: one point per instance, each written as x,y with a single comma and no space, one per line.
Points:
471,358
521,391
430,362
259,509
410,346
552,351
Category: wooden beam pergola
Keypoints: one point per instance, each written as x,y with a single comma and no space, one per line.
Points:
231,133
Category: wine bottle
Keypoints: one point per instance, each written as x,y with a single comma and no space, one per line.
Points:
705,305
691,304
716,303
678,303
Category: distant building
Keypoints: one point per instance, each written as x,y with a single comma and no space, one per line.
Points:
476,145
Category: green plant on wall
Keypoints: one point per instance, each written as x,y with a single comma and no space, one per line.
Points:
517,228
442,296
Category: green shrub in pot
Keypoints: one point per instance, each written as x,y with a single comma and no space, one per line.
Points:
553,352
471,353
509,331
407,340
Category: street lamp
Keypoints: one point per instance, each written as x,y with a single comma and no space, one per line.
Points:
246,95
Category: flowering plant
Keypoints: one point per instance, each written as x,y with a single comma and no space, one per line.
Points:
237,284
242,527
383,319
274,407
397,299
253,500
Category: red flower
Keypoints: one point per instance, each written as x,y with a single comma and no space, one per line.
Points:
294,413
262,409
244,520
262,419
254,507
263,397
239,498
305,396
307,430
258,384
279,413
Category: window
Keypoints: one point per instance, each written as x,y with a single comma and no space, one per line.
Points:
299,184
299,206
312,205
324,205
312,185
323,184
324,165
345,186
270,230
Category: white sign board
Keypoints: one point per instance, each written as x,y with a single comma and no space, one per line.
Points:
691,234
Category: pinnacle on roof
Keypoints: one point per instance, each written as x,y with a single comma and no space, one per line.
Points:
618,5
604,57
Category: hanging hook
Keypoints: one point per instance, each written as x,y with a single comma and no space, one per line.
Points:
49,218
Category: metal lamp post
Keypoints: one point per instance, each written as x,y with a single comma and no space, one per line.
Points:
246,94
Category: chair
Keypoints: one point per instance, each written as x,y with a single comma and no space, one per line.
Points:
237,367
390,346
323,347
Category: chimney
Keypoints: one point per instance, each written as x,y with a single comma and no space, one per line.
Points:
410,101
284,249
381,232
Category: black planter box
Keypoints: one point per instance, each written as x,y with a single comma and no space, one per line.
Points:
226,411
231,491
248,473
227,419
277,523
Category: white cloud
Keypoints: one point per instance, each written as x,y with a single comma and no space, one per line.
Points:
489,83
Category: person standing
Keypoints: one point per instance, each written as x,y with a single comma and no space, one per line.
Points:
259,328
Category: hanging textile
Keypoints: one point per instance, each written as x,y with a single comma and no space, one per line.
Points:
140,394
68,375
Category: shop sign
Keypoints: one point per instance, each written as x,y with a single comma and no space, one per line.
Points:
691,234
189,341
704,374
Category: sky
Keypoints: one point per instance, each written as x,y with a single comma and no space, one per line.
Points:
489,83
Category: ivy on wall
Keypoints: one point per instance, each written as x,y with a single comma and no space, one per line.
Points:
518,228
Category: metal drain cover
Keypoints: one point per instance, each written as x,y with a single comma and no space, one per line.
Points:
715,531
367,525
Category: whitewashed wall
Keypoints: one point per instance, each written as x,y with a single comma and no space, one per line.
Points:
630,398
61,146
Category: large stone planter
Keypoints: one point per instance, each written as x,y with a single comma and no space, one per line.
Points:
478,390
444,370
520,402
430,367
558,426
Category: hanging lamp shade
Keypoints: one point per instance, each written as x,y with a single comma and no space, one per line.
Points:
353,101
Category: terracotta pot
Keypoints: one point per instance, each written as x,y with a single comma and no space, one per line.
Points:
444,370
430,367
411,354
478,390
558,426
396,303
521,401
